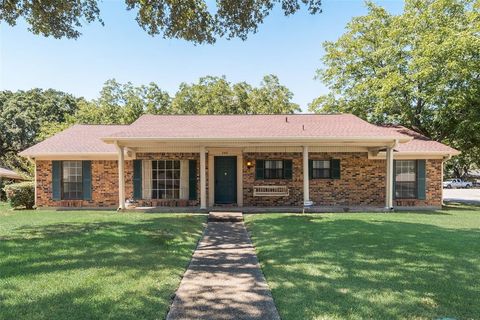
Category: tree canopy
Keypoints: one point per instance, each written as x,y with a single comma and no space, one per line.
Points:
27,117
215,95
419,69
23,113
191,20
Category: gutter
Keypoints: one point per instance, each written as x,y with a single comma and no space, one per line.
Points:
111,140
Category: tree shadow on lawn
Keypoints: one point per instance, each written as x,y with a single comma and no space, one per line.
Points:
354,269
137,252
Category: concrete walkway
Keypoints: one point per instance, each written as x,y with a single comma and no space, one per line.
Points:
224,280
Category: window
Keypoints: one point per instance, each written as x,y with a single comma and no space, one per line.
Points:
405,179
273,169
321,169
165,179
72,186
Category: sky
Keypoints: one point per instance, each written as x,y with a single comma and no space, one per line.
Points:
289,47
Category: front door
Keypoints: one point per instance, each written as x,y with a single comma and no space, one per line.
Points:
225,180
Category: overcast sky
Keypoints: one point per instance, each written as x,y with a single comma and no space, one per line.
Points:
290,47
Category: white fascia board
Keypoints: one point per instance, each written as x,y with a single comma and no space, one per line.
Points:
386,139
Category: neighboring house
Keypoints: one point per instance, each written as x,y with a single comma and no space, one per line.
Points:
239,160
7,174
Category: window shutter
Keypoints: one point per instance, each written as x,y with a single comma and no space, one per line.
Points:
394,179
287,169
335,167
421,185
192,179
259,169
310,169
56,180
137,179
87,180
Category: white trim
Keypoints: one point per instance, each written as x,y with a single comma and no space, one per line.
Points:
347,139
36,180
412,155
306,181
80,156
146,179
215,151
203,183
240,180
211,179
184,185
389,180
271,191
121,177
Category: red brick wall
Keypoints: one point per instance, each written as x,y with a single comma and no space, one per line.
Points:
362,182
104,185
174,156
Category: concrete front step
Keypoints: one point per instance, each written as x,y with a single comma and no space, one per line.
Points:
224,216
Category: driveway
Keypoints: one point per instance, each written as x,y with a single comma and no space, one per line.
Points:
469,196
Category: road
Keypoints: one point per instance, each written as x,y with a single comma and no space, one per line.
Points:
471,196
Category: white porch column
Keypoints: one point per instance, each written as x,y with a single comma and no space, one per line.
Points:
203,180
240,179
121,177
306,182
389,180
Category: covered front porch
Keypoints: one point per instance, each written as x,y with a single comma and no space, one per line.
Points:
219,175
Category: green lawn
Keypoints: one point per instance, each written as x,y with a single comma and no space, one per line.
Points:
92,265
372,265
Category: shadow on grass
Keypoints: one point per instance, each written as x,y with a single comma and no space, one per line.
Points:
357,269
93,264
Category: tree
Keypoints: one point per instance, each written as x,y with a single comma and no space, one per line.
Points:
272,98
123,104
215,95
418,69
191,20
21,116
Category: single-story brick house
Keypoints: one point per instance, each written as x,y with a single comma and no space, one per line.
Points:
334,160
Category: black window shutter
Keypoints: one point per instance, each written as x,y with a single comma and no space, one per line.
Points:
335,167
137,179
259,169
192,179
421,180
310,169
287,169
56,180
87,180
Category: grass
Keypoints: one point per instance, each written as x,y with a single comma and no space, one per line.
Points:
372,265
92,265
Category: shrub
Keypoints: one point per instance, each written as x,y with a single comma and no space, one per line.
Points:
21,194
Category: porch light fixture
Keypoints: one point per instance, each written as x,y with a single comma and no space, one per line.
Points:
249,164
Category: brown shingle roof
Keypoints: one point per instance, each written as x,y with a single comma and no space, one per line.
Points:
252,126
76,139
420,143
10,174
80,139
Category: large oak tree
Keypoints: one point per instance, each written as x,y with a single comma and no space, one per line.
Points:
420,69
191,20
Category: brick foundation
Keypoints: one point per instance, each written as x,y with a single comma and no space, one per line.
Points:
362,183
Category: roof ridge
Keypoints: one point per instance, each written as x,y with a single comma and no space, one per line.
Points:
249,115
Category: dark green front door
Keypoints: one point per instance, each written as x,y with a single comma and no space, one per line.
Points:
225,180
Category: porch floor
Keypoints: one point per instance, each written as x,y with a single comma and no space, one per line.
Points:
315,209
